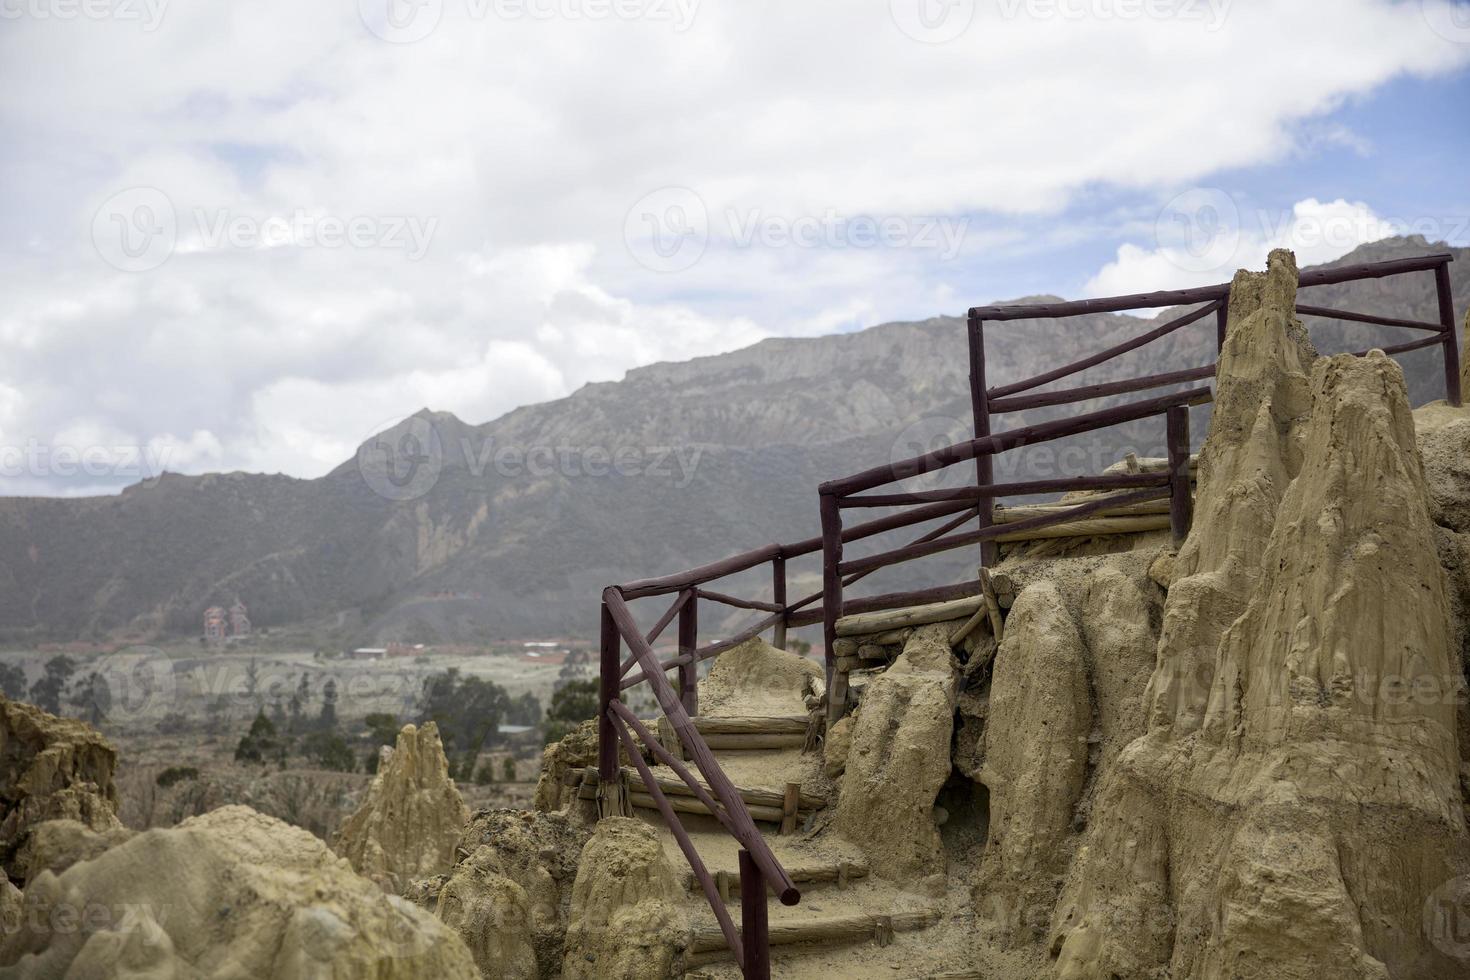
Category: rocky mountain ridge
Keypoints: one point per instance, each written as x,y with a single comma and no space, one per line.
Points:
516,523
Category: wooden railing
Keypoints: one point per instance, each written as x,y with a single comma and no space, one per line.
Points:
618,726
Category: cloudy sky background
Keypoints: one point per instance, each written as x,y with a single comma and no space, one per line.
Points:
247,236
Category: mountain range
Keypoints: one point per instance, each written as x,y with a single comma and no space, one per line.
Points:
444,531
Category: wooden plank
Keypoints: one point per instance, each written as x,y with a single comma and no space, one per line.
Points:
688,804
829,929
754,796
1012,439
805,873
1012,515
1046,399
1091,527
877,622
790,803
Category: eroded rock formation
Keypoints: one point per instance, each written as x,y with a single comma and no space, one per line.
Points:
1295,800
50,769
627,921
899,759
229,894
412,817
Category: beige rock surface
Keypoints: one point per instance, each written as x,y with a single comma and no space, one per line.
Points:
53,769
58,844
900,759
1295,800
757,678
492,914
227,895
1036,753
412,816
627,920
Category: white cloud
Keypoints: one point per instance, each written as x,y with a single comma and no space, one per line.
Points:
1207,252
519,144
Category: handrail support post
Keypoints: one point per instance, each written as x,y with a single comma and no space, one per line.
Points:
778,596
1181,496
755,936
1447,321
689,651
611,801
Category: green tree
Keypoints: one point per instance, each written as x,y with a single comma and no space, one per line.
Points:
508,769
329,750
92,697
47,691
468,711
262,744
571,704
382,728
12,681
524,710
327,720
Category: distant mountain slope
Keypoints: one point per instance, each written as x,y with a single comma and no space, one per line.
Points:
512,527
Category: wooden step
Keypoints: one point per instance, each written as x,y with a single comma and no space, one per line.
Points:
709,945
753,733
767,805
840,872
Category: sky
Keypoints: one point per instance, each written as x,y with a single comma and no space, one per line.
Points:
248,236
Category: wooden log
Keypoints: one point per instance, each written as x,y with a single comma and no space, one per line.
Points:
1013,515
980,410
688,804
877,622
1011,439
992,607
1181,497
708,725
753,743
754,926
1066,484
789,806
769,799
1046,399
996,532
1447,324
739,603
829,929
689,651
837,872
968,626
897,600
1384,321
778,595
1091,527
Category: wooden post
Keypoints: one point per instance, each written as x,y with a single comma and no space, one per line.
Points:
609,787
1447,320
1181,496
778,596
790,803
831,598
980,407
688,648
754,929
1222,322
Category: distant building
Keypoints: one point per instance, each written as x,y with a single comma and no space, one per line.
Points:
215,624
369,653
239,620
